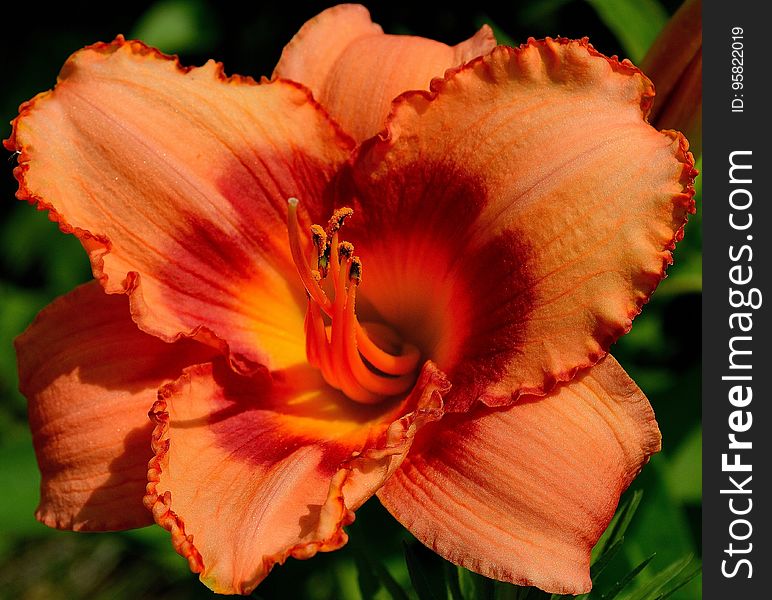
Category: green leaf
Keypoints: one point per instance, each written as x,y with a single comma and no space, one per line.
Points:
392,587
19,307
669,580
428,582
683,581
648,333
474,586
451,576
604,559
616,530
343,582
368,580
363,556
175,26
686,280
21,481
29,240
539,12
507,591
683,475
502,38
662,526
635,23
386,579
622,583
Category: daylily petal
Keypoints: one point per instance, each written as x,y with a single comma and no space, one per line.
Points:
522,494
90,377
355,71
674,63
251,471
519,216
176,181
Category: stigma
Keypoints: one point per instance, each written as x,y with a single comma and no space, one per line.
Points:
348,353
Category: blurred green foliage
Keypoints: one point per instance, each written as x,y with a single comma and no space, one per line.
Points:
178,26
635,23
37,263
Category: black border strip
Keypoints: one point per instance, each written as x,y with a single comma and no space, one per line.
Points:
736,261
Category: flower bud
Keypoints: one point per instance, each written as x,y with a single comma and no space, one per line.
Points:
674,64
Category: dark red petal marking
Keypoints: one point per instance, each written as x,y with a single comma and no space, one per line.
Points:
250,471
517,217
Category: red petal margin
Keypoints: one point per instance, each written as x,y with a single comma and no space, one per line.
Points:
175,180
242,487
514,220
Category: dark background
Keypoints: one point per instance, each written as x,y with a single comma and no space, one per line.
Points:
37,263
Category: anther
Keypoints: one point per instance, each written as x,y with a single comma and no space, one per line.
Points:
355,271
345,251
324,263
336,221
319,237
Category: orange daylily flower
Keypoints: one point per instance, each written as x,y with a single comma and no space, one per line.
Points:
439,337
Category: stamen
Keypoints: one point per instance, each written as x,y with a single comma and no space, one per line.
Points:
304,270
349,382
387,386
391,364
347,357
312,348
334,259
321,345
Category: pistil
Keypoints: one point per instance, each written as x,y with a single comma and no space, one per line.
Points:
348,358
